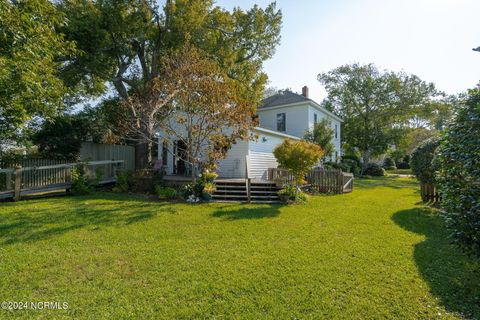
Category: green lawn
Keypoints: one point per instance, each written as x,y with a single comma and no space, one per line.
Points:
400,171
372,254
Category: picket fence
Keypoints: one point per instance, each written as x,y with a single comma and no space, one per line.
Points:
321,180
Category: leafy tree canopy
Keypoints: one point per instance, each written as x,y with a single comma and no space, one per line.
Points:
375,105
125,44
122,42
30,47
298,157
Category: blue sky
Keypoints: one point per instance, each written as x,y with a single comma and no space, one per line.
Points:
430,38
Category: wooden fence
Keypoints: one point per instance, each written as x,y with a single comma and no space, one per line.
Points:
101,152
21,181
429,193
324,181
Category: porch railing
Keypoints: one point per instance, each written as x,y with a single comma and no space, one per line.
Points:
21,181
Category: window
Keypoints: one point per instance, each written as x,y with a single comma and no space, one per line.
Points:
336,131
281,118
165,153
315,118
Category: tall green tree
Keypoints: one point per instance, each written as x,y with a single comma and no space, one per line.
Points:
459,176
375,105
122,44
30,50
322,135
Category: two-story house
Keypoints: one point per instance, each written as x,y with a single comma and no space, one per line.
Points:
286,115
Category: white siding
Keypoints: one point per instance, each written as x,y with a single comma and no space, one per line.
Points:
234,164
296,119
261,154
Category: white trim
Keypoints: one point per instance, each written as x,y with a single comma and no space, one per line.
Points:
311,102
276,133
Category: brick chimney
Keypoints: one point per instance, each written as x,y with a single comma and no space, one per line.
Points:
305,92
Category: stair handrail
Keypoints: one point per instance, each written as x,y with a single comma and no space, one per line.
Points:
248,181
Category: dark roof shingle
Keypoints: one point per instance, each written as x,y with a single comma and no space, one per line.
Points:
281,98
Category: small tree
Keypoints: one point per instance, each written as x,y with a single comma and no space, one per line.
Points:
322,135
459,175
298,157
208,116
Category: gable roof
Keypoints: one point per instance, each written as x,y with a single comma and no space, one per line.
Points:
281,98
288,98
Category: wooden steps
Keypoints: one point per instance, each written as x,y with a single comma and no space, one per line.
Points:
235,190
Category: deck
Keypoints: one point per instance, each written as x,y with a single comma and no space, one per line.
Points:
174,178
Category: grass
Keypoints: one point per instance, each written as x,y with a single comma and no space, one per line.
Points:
373,254
400,171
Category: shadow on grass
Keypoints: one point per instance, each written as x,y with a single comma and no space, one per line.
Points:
247,212
72,213
452,277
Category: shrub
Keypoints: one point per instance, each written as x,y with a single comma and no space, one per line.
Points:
354,162
338,165
354,158
194,189
210,188
403,165
298,157
208,176
80,184
166,193
374,170
389,164
421,161
291,194
459,175
157,179
123,181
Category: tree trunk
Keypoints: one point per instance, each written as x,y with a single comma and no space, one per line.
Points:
365,160
143,155
194,176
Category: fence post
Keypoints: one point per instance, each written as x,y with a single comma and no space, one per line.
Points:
18,183
9,180
249,196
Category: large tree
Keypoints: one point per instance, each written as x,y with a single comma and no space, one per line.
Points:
30,47
123,43
375,105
